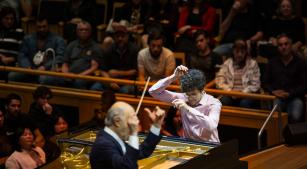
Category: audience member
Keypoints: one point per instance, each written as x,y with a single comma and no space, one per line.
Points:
41,50
173,123
239,73
285,78
41,112
164,16
15,118
10,38
107,100
119,61
198,15
18,5
136,14
200,112
155,61
81,57
288,23
43,115
121,126
76,11
60,124
26,155
204,59
243,21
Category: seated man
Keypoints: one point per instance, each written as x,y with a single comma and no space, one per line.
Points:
239,73
41,50
119,61
200,112
204,58
285,78
155,61
14,118
110,150
81,57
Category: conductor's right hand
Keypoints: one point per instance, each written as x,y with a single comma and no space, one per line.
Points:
180,71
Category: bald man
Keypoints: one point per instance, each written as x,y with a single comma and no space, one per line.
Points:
117,145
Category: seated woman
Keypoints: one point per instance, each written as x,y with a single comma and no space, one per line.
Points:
173,124
26,155
60,124
239,73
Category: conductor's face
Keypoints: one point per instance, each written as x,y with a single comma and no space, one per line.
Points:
194,97
127,123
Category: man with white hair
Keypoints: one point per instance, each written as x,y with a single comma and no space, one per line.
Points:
117,145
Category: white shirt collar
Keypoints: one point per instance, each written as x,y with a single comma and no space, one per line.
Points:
116,137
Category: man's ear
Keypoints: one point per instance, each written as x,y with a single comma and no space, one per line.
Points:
116,121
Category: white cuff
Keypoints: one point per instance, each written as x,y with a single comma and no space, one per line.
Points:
155,130
134,141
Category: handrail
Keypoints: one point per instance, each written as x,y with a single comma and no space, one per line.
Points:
132,82
241,94
264,125
83,77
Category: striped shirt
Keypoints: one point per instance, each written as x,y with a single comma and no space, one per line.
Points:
10,41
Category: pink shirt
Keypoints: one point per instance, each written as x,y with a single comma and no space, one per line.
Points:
24,160
199,122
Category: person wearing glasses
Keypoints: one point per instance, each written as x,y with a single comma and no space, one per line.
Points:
200,112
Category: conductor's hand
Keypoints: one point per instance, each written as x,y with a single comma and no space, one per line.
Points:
180,104
180,71
133,123
156,116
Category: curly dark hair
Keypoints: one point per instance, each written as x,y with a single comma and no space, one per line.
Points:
42,92
10,97
194,79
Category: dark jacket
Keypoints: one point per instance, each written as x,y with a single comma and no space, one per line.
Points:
107,154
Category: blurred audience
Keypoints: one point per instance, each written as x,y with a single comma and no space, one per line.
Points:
172,125
287,22
24,6
119,61
14,118
136,14
76,11
204,58
197,15
164,16
243,21
41,50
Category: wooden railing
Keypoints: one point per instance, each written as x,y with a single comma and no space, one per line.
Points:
133,82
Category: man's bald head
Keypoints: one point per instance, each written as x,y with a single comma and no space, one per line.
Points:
117,119
118,109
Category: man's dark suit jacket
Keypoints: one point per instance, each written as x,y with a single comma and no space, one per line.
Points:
107,154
